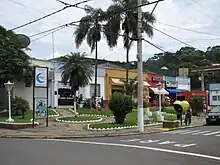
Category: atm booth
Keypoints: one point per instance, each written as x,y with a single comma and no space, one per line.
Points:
186,95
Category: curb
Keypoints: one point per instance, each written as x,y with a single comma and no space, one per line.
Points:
59,119
96,136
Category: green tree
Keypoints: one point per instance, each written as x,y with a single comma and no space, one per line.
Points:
77,71
127,22
14,62
90,29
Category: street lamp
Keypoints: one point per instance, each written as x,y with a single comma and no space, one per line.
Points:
9,85
159,115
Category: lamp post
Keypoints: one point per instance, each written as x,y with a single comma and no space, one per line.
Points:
9,85
159,116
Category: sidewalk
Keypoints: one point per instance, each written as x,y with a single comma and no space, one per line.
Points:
68,130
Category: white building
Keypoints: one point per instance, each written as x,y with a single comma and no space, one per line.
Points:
214,94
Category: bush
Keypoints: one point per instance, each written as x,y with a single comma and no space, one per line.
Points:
120,106
19,106
197,105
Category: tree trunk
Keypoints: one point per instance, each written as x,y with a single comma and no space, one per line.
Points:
96,63
74,102
127,66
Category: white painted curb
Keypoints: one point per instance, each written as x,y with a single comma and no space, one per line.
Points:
82,121
119,128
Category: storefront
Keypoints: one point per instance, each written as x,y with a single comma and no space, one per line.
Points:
153,79
115,81
214,94
171,85
183,83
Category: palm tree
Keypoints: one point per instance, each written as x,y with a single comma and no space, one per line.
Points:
90,29
126,21
77,71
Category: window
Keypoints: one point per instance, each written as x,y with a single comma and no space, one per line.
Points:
214,98
92,90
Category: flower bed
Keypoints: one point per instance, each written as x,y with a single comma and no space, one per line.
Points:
79,119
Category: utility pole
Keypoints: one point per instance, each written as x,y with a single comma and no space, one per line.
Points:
140,71
53,77
96,61
202,81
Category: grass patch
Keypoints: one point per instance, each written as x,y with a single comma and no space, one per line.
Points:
94,112
131,120
18,119
80,118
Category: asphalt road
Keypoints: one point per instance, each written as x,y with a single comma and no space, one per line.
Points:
193,147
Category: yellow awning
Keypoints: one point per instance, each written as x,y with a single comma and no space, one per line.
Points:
117,81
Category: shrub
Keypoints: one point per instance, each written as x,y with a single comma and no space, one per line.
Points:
120,106
197,105
136,104
19,106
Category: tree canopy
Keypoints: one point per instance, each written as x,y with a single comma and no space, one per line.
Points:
14,62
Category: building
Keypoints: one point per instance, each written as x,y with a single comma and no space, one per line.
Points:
214,94
171,85
115,81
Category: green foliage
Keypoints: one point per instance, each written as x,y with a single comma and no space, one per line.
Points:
120,106
135,104
76,70
197,105
19,106
14,62
169,110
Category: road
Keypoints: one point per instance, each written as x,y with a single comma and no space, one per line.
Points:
190,146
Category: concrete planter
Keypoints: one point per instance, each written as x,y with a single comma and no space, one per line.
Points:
7,125
171,124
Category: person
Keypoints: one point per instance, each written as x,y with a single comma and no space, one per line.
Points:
188,116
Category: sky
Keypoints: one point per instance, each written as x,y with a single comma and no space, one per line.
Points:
193,15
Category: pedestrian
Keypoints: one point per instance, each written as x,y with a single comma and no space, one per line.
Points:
188,116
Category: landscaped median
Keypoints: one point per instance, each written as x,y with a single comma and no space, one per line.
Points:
79,119
21,121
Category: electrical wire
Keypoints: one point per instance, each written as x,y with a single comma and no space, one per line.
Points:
48,15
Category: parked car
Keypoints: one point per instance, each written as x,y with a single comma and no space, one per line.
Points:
213,116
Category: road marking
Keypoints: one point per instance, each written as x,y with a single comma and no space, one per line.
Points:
188,132
130,140
184,145
149,141
217,135
166,142
138,147
212,133
176,132
198,133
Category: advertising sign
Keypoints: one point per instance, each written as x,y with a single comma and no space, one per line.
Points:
41,77
40,107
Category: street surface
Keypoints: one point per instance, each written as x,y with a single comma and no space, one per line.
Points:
183,147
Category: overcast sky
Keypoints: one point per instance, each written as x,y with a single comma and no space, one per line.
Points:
197,15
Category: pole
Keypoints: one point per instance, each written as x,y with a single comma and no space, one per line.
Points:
33,116
140,71
9,107
96,61
52,84
47,119
202,82
160,101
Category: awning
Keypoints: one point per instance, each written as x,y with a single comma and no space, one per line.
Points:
145,83
173,91
162,91
117,81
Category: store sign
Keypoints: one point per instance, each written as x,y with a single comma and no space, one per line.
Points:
40,107
157,78
171,84
41,74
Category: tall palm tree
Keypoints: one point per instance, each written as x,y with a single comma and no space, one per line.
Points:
90,29
77,71
127,22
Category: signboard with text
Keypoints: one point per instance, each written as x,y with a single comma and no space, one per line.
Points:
171,84
40,107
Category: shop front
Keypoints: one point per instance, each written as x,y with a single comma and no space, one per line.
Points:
183,83
171,85
153,80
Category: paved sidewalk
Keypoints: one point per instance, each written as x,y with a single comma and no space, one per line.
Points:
69,130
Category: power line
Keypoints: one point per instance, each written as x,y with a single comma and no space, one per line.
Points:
25,6
78,21
195,31
171,36
47,34
48,15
